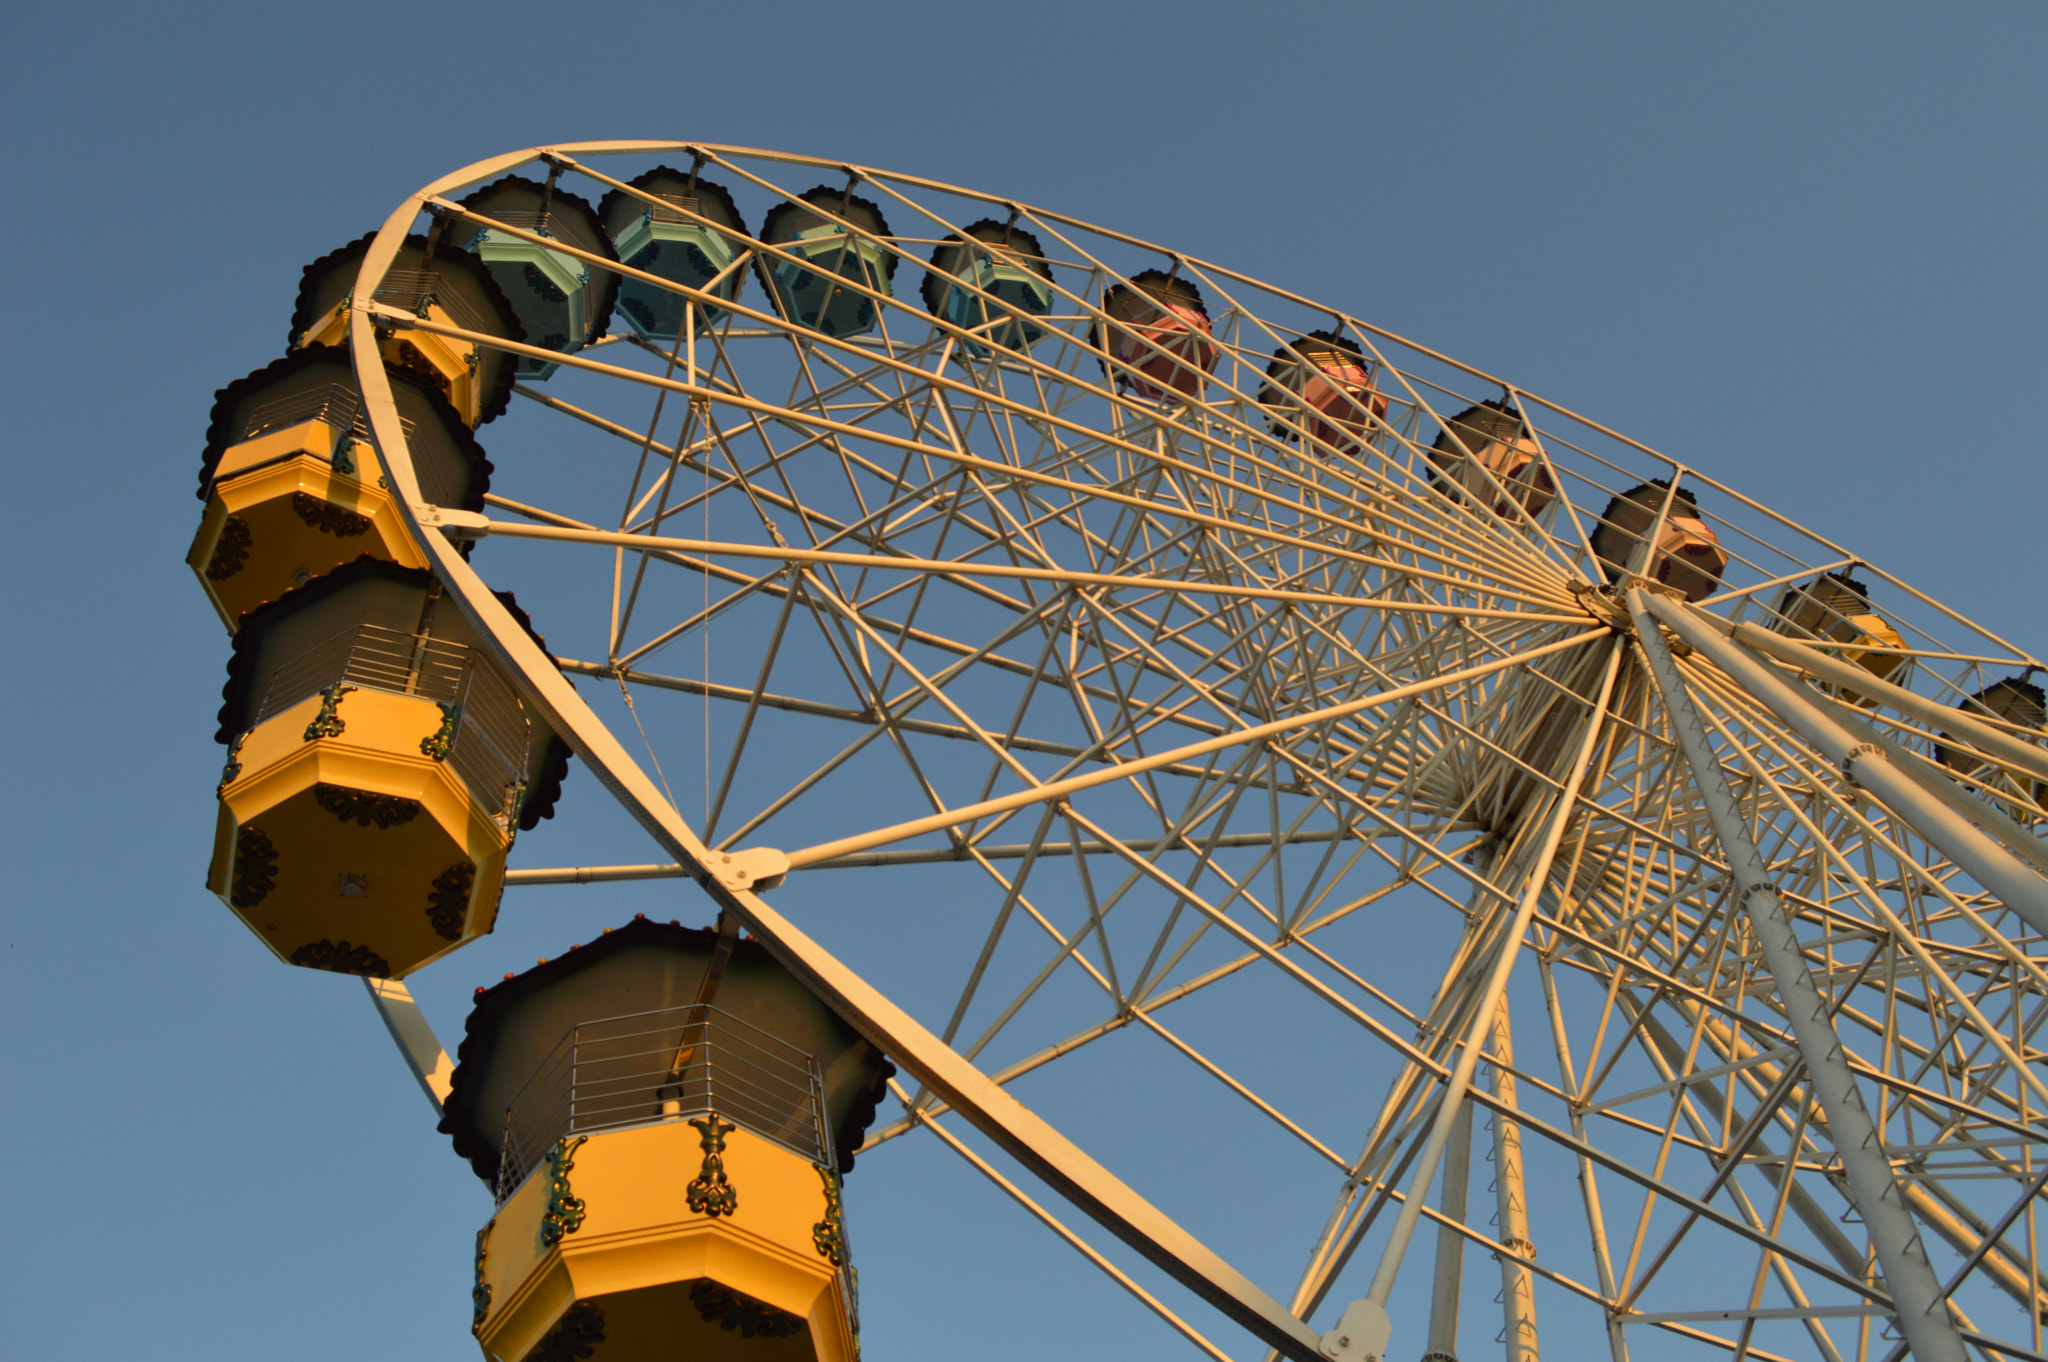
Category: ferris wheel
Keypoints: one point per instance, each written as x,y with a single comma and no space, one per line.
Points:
1562,874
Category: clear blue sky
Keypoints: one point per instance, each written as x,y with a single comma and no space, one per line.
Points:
1798,246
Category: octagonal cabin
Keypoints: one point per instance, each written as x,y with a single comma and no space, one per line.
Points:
447,285
2020,706
294,489
1487,454
693,236
990,279
1834,609
666,1120
563,302
379,764
1687,557
1321,387
837,266
1156,341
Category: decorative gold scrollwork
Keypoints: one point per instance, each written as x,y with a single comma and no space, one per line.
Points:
438,743
508,814
480,1294
729,1309
328,518
230,551
364,807
231,767
829,1234
710,1194
573,1338
328,722
448,903
255,867
564,1215
411,357
342,958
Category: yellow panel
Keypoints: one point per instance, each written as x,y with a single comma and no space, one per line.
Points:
520,1279
449,364
1873,631
634,1258
279,525
357,839
307,437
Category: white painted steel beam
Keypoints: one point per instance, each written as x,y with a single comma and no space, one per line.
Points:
2011,880
1937,782
1858,1143
416,1041
1009,851
1511,1199
1967,727
1450,1245
1744,1313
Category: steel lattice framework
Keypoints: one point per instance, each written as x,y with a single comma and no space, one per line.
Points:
1203,708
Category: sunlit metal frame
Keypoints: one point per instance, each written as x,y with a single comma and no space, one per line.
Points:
1838,779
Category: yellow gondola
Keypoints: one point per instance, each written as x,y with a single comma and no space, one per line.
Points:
431,279
1835,609
665,1115
294,489
379,765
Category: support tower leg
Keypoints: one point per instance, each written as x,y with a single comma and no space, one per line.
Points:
1517,1282
1450,1245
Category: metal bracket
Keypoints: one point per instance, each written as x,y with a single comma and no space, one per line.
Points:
1862,749
457,525
1621,588
755,869
1604,603
1610,604
1361,1335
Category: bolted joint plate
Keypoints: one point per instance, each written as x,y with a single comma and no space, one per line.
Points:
1361,1335
457,525
752,870
1603,603
1860,751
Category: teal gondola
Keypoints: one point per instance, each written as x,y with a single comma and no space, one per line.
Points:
694,241
829,231
990,278
563,302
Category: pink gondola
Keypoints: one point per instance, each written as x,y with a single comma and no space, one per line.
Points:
1157,339
1688,555
1330,376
